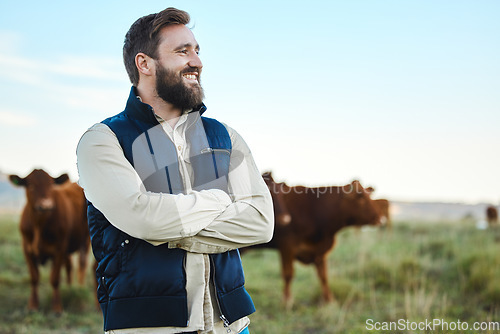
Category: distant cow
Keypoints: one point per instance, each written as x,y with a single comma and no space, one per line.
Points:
492,215
317,214
383,207
53,225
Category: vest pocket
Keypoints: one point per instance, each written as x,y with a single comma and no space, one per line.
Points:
211,168
222,158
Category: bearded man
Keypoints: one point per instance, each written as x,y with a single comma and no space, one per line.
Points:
171,195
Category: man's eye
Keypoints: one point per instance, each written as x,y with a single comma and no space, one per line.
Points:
183,51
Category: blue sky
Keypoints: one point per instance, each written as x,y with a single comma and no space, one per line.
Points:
402,95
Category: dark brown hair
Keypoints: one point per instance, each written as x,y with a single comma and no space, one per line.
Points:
143,37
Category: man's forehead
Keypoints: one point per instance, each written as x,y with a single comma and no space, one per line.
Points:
176,35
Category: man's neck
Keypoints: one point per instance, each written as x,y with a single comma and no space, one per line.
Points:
166,111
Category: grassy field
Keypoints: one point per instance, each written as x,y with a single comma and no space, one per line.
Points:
447,271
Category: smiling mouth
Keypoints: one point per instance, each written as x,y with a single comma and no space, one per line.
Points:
191,76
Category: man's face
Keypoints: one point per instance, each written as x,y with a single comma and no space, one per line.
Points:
172,88
178,68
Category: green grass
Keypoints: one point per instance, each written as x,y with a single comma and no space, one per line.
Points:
80,314
417,271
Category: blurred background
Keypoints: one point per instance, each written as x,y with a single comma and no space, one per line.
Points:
401,95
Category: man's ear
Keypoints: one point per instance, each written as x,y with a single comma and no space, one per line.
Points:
144,63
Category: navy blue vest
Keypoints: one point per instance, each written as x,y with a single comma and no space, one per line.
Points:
141,285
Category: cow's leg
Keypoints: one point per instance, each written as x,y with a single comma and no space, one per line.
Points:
320,263
34,280
287,272
82,263
30,255
54,281
69,269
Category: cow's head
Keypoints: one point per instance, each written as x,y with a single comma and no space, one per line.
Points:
358,205
38,185
281,215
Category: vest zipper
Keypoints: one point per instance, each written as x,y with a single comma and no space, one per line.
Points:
214,150
103,281
222,317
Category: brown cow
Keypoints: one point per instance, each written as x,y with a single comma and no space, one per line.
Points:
317,214
53,225
492,215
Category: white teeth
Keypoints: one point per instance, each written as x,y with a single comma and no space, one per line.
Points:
190,76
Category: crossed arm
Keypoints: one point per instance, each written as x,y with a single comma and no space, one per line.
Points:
207,221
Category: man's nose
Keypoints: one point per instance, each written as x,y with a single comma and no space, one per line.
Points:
195,61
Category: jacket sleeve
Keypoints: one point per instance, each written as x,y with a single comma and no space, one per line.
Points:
112,185
249,219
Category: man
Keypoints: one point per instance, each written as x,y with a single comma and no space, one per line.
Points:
171,195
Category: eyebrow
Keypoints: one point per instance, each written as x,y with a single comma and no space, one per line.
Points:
187,45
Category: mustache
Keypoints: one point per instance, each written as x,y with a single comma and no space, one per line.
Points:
190,69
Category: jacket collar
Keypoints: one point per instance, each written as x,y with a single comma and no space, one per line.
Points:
135,108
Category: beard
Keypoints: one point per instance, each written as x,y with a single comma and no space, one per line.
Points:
171,88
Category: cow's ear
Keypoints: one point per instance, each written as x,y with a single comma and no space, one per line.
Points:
354,187
61,179
370,189
16,180
268,174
